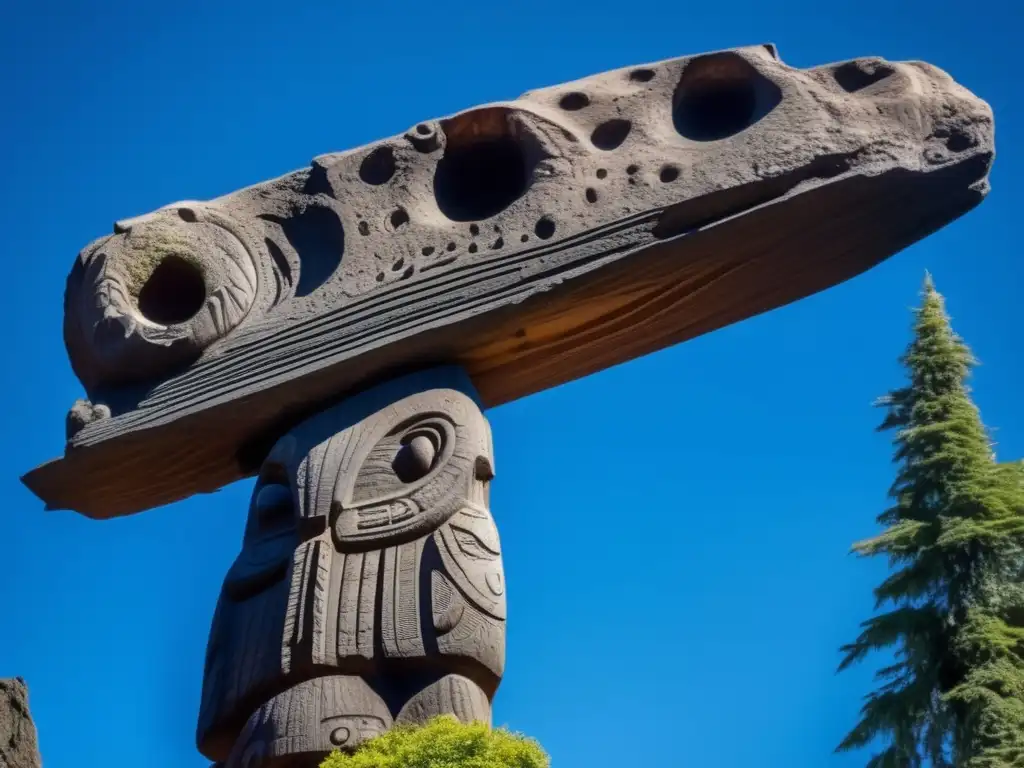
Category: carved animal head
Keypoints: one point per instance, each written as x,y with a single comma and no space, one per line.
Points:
531,241
157,293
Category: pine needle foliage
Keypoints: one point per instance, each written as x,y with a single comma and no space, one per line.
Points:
951,611
444,742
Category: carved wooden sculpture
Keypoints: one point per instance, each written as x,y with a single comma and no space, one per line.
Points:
525,243
369,586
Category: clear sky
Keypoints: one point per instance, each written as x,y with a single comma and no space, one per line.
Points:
675,529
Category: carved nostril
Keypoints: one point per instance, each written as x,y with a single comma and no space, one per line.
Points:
174,292
719,96
958,140
857,75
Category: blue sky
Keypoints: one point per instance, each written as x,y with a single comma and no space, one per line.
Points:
675,529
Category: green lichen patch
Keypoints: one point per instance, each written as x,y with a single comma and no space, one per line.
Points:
149,245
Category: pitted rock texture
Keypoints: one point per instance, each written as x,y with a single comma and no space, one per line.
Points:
18,745
531,241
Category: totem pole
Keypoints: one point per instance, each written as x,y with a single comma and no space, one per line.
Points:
370,574
336,333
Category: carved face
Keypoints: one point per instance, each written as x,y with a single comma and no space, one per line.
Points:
156,293
347,495
144,303
393,476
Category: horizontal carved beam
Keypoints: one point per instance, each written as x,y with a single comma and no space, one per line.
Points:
532,242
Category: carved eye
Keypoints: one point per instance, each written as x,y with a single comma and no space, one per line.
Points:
153,296
404,457
415,458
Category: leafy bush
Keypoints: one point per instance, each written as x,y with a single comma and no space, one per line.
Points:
444,742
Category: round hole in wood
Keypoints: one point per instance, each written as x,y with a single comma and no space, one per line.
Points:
174,292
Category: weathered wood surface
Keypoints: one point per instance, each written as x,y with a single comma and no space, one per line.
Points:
531,242
369,588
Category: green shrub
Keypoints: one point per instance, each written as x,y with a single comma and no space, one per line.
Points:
444,742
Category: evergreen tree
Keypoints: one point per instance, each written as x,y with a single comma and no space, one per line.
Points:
954,602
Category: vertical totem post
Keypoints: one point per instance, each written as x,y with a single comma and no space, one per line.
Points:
369,589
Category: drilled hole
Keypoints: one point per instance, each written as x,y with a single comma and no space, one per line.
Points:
174,293
378,167
591,195
574,101
641,75
668,174
545,227
610,134
487,165
399,218
719,96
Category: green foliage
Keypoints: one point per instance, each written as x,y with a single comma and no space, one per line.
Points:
954,600
444,742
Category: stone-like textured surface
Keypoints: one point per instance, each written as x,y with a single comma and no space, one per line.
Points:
18,745
531,241
369,589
